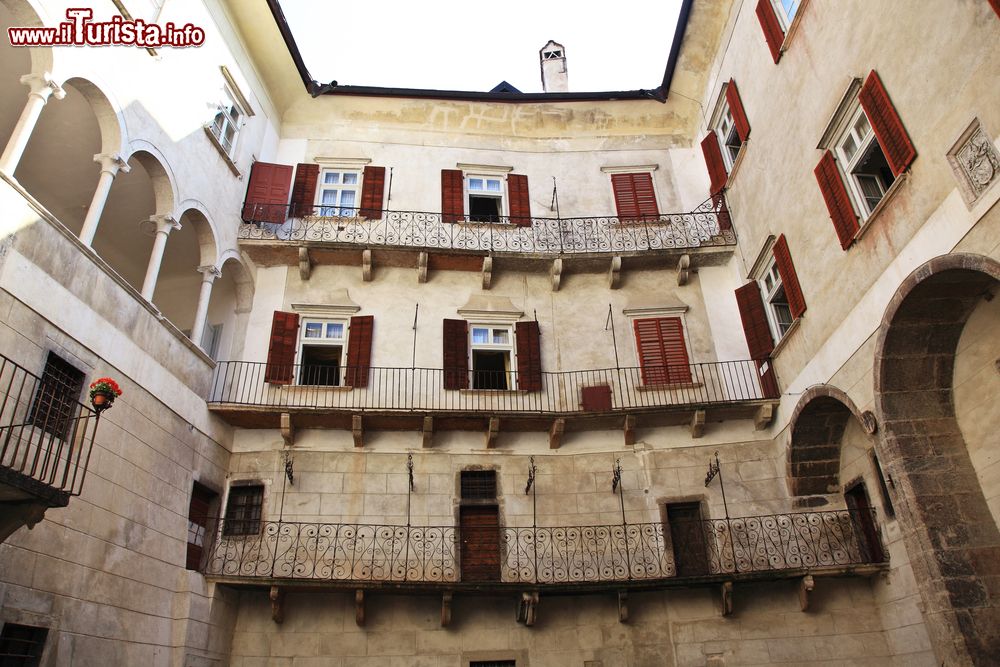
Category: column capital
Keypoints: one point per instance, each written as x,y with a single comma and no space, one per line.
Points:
112,163
164,223
43,85
209,273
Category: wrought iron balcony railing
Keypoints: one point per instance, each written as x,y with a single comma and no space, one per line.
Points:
643,553
604,390
46,434
708,225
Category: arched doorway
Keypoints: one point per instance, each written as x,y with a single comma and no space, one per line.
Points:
951,536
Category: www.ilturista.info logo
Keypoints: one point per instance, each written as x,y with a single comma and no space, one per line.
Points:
79,30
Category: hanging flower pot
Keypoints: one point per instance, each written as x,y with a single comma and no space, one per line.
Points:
103,392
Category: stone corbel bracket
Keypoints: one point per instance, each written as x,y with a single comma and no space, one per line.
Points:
366,265
683,270
305,263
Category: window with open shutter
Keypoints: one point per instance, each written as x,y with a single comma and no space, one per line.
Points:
267,192
452,195
372,192
280,368
888,127
754,318
635,198
198,510
304,189
529,356
769,23
783,259
456,354
737,110
359,350
663,354
520,204
838,202
713,160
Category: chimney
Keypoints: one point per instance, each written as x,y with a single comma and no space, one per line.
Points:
552,59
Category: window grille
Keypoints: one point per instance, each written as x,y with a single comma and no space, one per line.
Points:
243,510
479,484
21,645
57,397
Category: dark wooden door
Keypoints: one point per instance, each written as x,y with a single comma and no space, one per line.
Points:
687,535
863,521
480,535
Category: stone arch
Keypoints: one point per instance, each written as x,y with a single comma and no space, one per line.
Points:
160,173
818,424
192,212
231,263
106,110
951,537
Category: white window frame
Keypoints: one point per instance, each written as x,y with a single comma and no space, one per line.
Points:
724,126
770,284
232,115
337,209
322,341
500,194
847,161
508,347
783,16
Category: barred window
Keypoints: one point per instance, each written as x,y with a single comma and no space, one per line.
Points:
56,397
479,484
22,645
243,510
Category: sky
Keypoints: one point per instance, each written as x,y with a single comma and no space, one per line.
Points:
475,44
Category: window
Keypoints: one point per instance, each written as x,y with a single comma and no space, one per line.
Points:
772,291
635,196
727,134
729,138
887,507
210,340
863,163
785,10
485,197
479,484
662,352
57,397
243,510
22,645
866,150
198,512
492,350
321,350
227,122
338,192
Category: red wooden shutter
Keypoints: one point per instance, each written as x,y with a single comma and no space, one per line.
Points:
280,367
359,350
995,4
304,190
520,204
838,202
736,108
635,198
889,130
773,34
529,356
456,354
754,319
768,379
452,195
372,192
662,352
267,192
789,280
201,499
713,160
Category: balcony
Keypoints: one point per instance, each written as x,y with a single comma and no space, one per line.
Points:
563,559
415,398
46,437
705,233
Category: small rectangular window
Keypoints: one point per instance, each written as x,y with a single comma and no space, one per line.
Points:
492,351
862,161
339,193
57,397
321,352
227,122
22,645
887,507
479,484
243,510
485,198
779,312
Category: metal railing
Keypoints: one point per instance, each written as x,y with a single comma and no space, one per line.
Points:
643,552
46,433
423,389
708,225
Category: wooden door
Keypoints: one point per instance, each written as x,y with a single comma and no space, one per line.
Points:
863,521
687,536
480,535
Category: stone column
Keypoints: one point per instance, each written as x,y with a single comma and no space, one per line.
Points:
164,225
110,165
42,86
208,276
